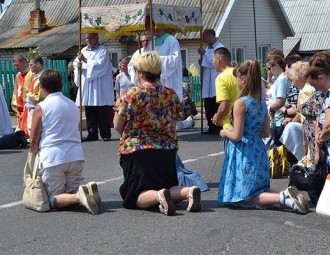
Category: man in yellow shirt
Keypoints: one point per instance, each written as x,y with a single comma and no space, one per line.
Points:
226,87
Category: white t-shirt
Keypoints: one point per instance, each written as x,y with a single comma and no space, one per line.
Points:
123,83
60,140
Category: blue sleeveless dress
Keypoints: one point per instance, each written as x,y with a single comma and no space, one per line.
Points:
245,170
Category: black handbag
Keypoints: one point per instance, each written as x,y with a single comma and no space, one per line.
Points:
299,177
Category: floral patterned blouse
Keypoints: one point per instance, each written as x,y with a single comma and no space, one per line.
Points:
150,113
310,109
325,106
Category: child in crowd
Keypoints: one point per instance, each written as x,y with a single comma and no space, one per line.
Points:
245,179
123,79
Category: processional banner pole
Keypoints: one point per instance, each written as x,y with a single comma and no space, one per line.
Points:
201,69
79,72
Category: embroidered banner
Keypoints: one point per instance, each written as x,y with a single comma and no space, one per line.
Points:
114,21
119,20
179,18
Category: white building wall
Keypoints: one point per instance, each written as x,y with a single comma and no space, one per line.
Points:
239,29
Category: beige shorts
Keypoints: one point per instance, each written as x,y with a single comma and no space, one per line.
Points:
64,178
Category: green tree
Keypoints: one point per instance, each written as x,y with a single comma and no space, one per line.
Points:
32,53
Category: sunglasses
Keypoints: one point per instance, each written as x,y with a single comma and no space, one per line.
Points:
269,67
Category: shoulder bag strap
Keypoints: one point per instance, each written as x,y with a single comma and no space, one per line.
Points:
35,167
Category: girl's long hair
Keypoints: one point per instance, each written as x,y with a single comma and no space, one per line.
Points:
251,69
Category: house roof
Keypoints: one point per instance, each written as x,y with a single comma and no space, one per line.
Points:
290,44
310,20
62,21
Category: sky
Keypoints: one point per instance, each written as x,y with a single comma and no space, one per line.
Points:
4,6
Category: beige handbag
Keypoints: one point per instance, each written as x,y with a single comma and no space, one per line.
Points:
35,196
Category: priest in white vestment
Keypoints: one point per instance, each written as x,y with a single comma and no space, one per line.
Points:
97,88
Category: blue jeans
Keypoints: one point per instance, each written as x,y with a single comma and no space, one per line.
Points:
276,135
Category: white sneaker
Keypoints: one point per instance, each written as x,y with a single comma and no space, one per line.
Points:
292,199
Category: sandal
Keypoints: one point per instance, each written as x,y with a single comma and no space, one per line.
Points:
194,199
166,204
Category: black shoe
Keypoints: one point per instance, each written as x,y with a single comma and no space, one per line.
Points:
89,139
209,131
107,139
216,131
20,135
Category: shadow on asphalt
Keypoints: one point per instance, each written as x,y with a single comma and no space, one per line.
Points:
196,136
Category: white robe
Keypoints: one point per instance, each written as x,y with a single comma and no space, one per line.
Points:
96,79
5,123
170,54
209,72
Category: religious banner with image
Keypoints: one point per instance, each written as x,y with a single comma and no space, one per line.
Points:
114,21
179,18
118,20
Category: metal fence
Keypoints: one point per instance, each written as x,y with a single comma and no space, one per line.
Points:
8,73
197,89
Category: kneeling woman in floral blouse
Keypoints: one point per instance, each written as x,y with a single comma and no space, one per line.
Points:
145,117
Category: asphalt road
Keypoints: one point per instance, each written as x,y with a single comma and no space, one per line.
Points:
116,230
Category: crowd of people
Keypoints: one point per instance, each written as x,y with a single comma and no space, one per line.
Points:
284,120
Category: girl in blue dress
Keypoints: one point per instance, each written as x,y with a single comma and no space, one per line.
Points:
245,178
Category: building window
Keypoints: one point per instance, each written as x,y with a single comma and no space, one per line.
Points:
262,53
238,54
114,57
184,54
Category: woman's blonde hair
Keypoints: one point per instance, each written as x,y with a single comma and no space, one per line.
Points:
148,62
298,70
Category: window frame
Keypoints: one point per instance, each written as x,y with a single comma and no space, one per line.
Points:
262,59
234,53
